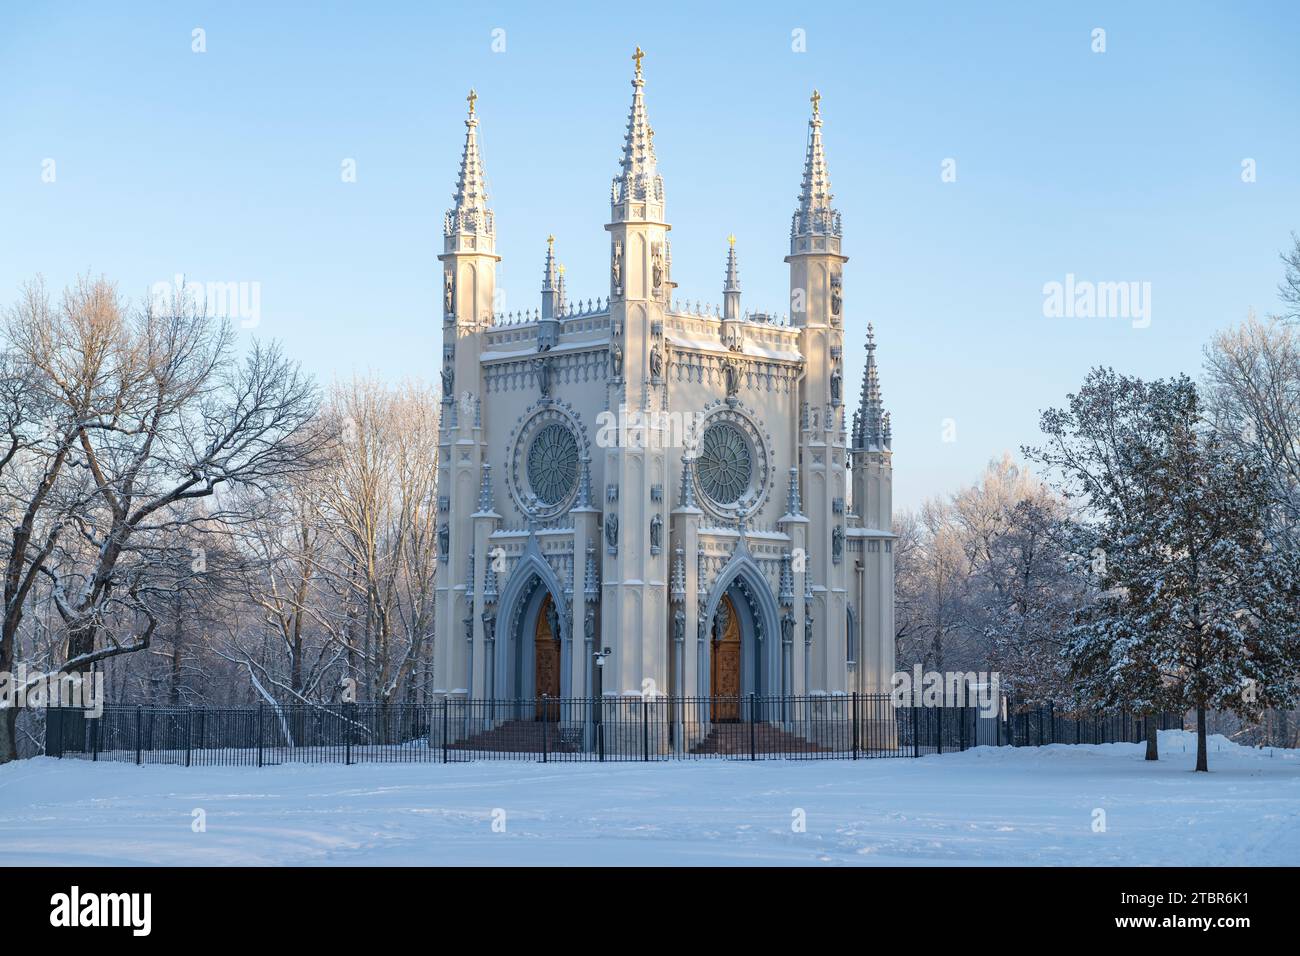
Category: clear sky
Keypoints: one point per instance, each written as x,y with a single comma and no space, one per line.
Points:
1124,165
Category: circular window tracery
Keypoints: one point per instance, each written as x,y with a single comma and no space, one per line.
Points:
725,465
552,464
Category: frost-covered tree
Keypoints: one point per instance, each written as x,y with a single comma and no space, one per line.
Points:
1197,609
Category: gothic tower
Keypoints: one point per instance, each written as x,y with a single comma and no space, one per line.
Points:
634,596
816,308
469,262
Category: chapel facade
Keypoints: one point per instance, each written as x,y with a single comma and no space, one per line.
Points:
671,490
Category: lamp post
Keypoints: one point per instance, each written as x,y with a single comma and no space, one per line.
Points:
598,704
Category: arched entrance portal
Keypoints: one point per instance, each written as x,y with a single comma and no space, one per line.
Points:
743,643
533,647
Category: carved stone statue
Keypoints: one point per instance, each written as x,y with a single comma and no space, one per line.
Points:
444,540
489,624
449,382
656,363
448,292
616,268
657,264
721,621
543,368
616,359
787,629
837,543
836,299
589,624
553,620
732,375
837,385
611,530
679,625
656,531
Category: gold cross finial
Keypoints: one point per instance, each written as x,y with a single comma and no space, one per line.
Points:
732,239
471,98
550,240
816,102
561,268
637,56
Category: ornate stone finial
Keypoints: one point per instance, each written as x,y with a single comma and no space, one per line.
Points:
679,575
469,576
584,483
688,483
471,100
485,489
793,504
869,423
637,56
591,583
816,99
490,594
787,580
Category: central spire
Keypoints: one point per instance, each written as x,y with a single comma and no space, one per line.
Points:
638,180
470,216
815,216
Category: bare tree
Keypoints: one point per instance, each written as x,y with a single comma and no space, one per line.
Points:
140,415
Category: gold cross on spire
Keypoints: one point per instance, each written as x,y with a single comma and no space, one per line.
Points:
637,56
732,240
550,240
816,102
471,98
561,268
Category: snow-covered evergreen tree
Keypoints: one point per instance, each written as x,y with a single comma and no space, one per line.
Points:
1196,609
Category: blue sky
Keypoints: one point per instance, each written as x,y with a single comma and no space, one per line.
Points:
1117,166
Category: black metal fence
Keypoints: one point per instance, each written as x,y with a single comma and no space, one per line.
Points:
845,726
1036,725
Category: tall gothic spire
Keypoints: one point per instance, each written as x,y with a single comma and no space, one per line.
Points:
871,422
731,284
470,216
638,179
549,277
815,215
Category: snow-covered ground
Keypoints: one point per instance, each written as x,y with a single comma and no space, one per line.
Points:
985,806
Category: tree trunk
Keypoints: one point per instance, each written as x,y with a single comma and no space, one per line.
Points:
1201,762
1153,748
8,734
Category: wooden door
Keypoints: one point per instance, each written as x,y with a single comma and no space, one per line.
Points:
724,671
546,665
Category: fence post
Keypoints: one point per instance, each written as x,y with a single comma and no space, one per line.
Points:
916,731
645,731
259,733
1051,713
189,715
444,729
347,732
854,713
139,734
753,742
546,718
94,739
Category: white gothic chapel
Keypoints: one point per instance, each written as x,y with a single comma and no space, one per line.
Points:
749,554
